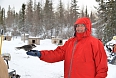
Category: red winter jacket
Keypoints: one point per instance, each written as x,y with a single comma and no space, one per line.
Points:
83,57
114,48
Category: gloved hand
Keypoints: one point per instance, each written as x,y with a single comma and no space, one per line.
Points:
34,53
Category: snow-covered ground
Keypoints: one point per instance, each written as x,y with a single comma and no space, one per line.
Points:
32,67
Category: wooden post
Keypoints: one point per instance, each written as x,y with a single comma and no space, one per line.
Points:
1,38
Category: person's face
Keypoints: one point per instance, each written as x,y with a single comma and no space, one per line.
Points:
80,28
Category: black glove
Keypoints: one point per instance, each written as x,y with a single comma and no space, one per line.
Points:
34,53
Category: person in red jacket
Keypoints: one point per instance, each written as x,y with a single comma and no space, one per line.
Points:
114,48
84,55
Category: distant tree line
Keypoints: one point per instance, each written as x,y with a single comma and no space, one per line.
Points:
106,23
41,20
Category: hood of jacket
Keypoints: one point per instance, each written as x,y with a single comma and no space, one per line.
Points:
87,22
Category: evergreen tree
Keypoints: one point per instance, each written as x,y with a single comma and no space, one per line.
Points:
110,28
29,17
92,17
107,21
60,19
82,12
21,25
8,19
37,19
74,13
2,19
86,12
48,14
101,21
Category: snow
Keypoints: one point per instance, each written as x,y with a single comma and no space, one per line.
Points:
29,66
32,67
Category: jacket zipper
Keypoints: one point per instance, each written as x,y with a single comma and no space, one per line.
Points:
69,73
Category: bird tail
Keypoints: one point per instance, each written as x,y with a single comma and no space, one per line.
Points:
18,48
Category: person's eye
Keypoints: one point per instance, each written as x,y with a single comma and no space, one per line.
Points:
83,24
77,25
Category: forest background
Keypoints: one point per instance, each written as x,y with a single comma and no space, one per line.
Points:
45,21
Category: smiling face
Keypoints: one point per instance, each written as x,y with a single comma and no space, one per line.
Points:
80,28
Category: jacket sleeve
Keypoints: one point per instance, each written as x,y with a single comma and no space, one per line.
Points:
56,55
100,59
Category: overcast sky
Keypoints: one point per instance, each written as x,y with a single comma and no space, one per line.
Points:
18,3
